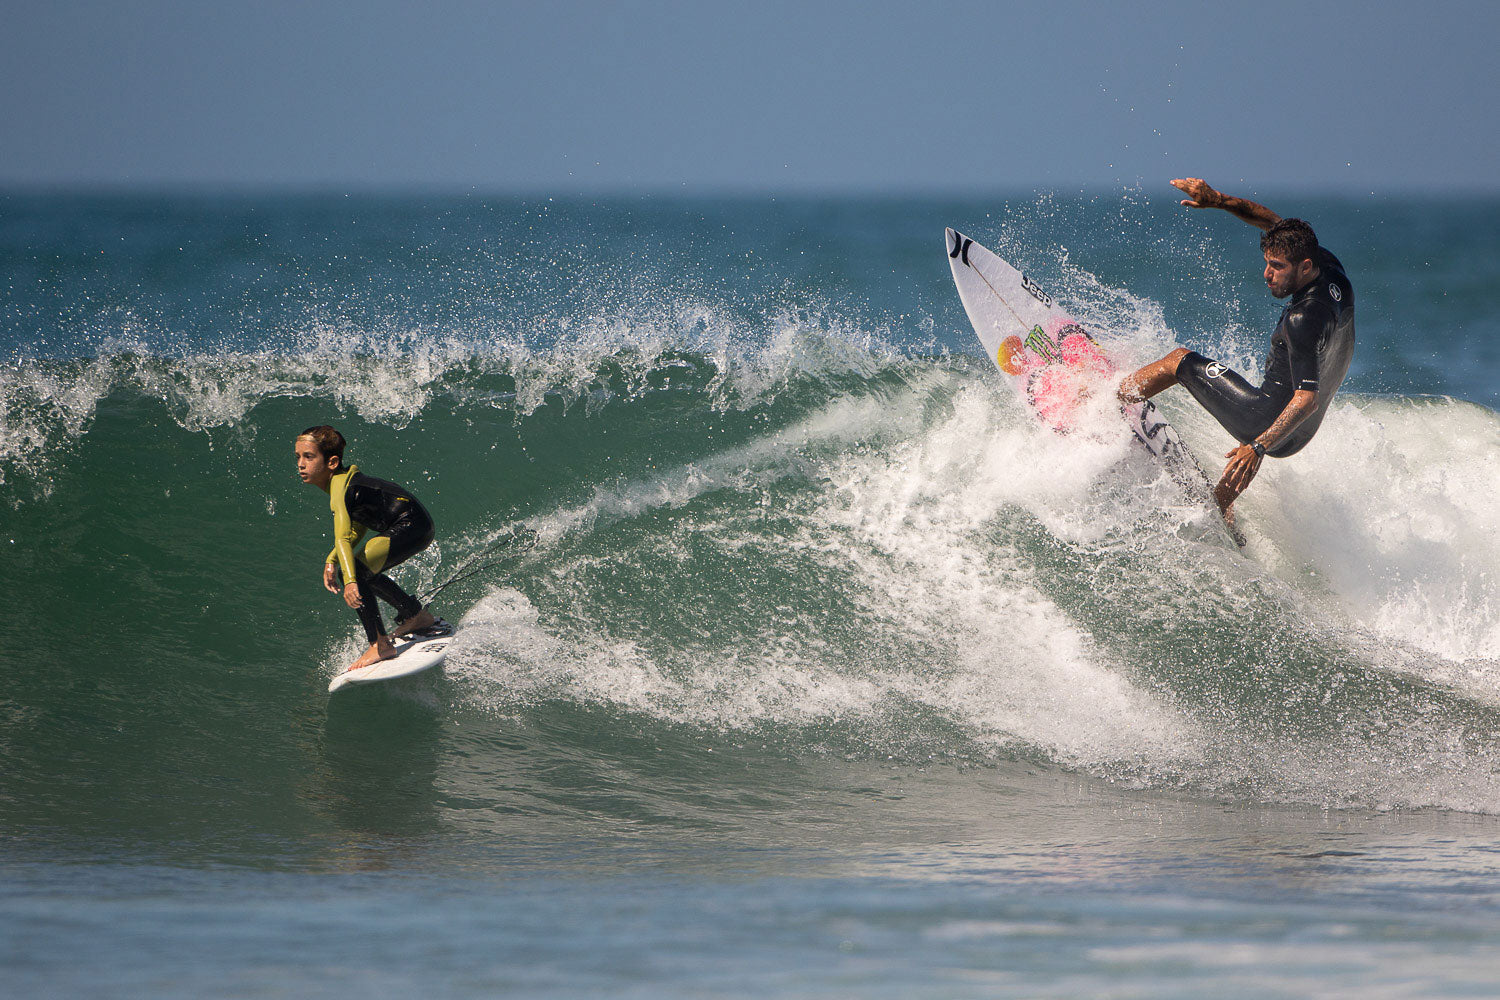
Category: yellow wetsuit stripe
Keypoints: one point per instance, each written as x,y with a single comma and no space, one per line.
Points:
345,530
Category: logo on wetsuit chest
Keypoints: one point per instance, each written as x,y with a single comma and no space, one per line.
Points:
1215,369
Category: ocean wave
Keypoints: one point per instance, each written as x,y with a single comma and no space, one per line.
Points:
804,534
393,376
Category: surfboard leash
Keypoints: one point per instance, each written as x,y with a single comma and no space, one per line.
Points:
525,538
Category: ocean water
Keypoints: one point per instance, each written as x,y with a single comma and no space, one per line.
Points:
795,659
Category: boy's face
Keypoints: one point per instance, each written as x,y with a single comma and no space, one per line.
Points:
312,466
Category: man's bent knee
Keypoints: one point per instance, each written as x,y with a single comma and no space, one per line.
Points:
1174,358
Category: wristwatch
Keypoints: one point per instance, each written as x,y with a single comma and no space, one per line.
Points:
1258,448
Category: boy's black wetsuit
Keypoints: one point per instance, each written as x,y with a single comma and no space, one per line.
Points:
1310,349
402,528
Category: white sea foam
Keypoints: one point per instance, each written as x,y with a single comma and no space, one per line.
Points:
391,375
1389,517
904,519
1023,671
1380,543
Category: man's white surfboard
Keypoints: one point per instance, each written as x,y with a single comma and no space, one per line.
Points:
414,654
1032,342
1023,331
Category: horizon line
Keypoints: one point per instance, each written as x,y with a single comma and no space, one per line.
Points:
407,189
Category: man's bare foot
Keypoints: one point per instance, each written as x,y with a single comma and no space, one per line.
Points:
380,649
421,619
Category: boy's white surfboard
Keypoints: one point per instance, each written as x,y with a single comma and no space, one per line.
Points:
1048,357
414,654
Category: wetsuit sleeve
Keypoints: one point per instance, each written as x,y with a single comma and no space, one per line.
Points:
345,531
1306,328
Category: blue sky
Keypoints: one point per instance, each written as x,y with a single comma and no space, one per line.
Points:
574,96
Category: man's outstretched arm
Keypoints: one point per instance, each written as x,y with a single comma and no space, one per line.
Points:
1201,195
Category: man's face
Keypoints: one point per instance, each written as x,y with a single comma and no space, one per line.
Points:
1283,277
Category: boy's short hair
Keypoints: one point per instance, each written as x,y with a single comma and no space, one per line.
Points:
1291,239
328,440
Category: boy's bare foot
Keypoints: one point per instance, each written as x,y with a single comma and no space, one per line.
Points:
421,619
380,649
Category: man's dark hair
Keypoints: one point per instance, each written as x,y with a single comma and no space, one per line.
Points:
328,440
1292,240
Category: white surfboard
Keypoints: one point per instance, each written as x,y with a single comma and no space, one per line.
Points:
414,655
1030,339
1046,356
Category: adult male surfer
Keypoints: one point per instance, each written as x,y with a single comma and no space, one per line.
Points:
1310,348
360,503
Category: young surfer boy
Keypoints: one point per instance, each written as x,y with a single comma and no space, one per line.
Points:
360,503
1310,348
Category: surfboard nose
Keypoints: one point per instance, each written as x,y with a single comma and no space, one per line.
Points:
958,244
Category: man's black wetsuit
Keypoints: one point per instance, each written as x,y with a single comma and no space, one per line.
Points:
1310,349
402,528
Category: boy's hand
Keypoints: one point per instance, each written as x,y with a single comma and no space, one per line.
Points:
351,595
328,581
